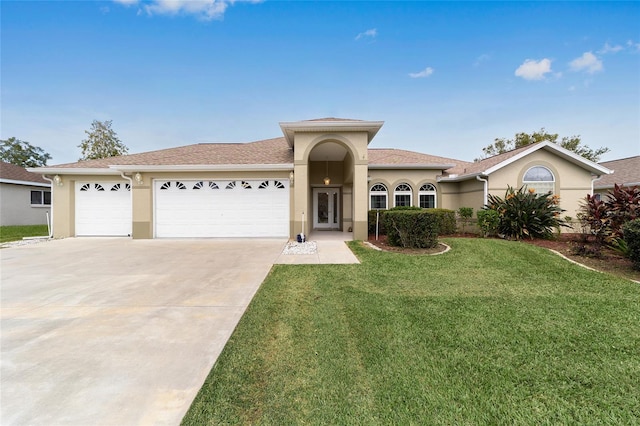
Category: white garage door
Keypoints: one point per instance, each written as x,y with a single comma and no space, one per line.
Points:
221,208
103,209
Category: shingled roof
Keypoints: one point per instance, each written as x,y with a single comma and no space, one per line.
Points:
390,157
466,168
269,151
11,172
626,171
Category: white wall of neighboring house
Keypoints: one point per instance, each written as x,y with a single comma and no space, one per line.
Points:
16,207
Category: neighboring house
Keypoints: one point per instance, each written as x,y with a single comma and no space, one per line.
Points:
25,197
626,172
319,176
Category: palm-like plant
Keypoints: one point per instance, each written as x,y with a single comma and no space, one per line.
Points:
525,214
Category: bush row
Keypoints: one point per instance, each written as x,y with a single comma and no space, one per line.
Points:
412,225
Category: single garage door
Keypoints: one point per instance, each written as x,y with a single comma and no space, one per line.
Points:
103,209
221,208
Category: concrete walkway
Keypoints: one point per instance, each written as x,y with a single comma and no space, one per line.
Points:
331,250
114,331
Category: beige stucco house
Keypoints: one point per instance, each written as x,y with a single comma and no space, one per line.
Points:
320,175
25,198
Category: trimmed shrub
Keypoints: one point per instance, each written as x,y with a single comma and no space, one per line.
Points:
411,228
488,221
631,232
446,220
372,222
524,213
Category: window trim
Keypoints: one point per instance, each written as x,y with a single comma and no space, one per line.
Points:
384,193
397,192
528,183
43,200
433,192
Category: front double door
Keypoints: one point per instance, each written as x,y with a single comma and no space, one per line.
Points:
326,208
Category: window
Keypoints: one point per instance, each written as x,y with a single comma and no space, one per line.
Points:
378,197
427,196
402,195
40,198
540,179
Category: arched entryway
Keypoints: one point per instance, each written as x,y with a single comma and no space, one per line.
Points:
335,149
330,178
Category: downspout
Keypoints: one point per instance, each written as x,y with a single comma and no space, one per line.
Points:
486,190
50,224
131,192
594,180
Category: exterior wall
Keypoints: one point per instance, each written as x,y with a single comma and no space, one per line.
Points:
572,183
16,208
415,178
469,193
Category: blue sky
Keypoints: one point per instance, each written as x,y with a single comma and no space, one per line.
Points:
447,78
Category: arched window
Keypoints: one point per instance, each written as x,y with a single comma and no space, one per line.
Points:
540,179
378,197
402,195
427,196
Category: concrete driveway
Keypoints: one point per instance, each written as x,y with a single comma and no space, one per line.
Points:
118,331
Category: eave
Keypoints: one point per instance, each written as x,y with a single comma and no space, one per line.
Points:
204,167
414,166
25,183
290,128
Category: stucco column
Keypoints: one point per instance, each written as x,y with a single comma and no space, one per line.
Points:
360,200
300,200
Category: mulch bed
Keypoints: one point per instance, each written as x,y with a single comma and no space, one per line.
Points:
609,260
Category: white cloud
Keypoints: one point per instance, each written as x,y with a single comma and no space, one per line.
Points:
534,70
371,33
203,9
607,48
587,62
422,74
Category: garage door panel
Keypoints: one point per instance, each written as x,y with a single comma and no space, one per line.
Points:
222,208
103,209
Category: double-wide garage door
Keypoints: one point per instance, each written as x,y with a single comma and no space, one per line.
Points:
221,208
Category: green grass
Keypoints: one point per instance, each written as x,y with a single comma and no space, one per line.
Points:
493,332
15,233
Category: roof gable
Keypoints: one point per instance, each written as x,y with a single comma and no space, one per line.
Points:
489,165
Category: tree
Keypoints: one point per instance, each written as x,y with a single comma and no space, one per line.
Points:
22,153
502,145
102,142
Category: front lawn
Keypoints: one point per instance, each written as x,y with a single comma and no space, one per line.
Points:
493,332
15,233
